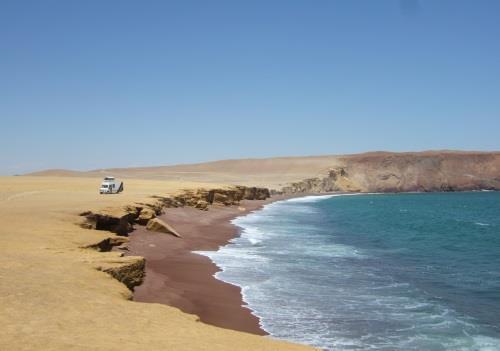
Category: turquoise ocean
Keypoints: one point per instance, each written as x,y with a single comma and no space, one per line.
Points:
373,271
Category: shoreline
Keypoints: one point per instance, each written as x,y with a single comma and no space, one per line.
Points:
63,288
178,277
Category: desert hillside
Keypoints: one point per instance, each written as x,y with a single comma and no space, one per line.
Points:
274,172
374,171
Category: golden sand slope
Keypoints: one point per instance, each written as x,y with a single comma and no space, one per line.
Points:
373,171
271,172
53,298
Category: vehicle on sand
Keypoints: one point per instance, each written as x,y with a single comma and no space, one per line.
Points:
111,186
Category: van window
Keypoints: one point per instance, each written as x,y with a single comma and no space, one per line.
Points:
104,185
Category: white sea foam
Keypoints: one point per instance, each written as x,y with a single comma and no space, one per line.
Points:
473,343
315,198
311,198
253,234
485,343
227,255
333,250
333,296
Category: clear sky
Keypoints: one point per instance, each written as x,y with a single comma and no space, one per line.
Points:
90,84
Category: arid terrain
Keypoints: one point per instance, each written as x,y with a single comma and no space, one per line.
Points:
57,270
54,294
371,172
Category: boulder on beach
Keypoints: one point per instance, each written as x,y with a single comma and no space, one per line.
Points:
157,225
202,205
145,215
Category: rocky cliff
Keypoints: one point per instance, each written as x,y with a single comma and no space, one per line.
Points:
401,172
121,221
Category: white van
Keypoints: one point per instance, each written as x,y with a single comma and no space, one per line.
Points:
111,186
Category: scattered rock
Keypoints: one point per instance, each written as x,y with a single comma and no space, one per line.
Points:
145,215
202,205
157,225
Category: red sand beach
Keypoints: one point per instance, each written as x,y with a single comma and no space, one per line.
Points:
177,277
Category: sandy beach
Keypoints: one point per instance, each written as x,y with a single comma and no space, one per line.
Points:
175,276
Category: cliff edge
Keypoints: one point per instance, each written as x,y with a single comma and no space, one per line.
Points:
403,172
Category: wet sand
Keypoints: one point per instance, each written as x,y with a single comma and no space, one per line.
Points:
177,277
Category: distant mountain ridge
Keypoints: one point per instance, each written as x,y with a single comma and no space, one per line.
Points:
368,172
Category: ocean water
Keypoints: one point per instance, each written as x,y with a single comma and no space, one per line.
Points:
373,272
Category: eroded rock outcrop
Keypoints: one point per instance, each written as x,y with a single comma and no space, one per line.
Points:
402,172
201,198
159,226
117,221
129,269
145,216
337,179
234,195
108,244
120,221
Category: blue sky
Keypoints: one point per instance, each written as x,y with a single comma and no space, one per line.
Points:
91,84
